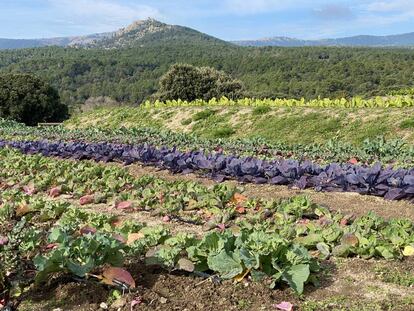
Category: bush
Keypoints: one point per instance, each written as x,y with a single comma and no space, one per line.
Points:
189,83
202,115
26,98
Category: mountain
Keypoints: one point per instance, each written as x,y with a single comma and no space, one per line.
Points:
402,40
61,41
139,33
150,31
142,33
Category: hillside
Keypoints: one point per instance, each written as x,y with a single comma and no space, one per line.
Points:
293,125
401,40
138,33
149,31
131,75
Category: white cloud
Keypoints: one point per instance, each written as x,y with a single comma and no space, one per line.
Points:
248,7
100,15
390,6
386,12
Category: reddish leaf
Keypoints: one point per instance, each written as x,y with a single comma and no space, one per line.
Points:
54,192
87,199
119,238
353,161
51,246
29,189
118,277
241,210
136,301
350,239
166,219
125,205
4,240
221,227
87,230
285,306
117,222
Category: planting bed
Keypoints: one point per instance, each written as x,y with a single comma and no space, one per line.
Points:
393,184
67,222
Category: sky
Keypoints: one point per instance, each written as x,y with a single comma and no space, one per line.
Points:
226,19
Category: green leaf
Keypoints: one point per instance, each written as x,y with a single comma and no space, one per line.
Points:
309,240
387,251
296,277
81,270
226,264
341,250
323,248
249,260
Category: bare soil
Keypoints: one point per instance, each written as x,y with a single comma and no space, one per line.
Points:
350,284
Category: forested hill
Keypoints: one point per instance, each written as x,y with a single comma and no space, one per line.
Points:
131,74
141,32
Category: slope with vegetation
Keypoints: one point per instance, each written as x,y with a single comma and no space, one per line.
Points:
290,125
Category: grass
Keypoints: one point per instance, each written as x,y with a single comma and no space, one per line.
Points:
395,276
202,115
289,124
261,110
407,124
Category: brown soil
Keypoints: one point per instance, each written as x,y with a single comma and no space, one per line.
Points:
350,284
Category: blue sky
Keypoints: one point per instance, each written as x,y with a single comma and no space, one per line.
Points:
226,19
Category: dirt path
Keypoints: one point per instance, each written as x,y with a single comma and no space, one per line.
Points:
347,203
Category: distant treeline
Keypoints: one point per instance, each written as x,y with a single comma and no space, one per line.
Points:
131,75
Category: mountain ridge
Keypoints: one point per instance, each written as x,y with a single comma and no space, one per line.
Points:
140,32
150,31
398,40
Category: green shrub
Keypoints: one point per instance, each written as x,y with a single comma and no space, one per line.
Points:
189,83
186,122
407,124
261,110
223,132
26,98
202,115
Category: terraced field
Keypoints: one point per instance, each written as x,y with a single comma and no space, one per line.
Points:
161,215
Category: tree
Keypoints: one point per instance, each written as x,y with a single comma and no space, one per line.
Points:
187,82
26,98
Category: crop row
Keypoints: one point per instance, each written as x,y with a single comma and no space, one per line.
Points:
393,184
396,101
395,152
88,182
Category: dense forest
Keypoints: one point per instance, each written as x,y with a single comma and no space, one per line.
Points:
131,75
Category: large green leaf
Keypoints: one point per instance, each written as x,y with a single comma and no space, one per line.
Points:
296,277
228,265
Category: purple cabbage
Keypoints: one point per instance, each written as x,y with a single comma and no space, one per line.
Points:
392,184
